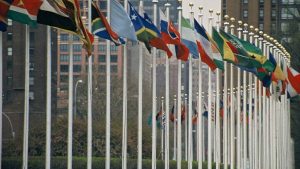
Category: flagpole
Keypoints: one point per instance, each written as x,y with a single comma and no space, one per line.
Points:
162,128
175,126
167,127
124,133
250,134
232,132
140,97
90,89
190,99
218,150
264,113
179,111
225,132
1,101
199,119
239,147
185,128
48,101
70,104
209,151
154,102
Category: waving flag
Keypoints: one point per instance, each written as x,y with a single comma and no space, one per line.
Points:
120,21
277,73
188,37
171,36
101,27
4,7
25,11
294,82
207,49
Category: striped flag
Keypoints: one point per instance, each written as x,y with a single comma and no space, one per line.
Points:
4,7
294,82
188,37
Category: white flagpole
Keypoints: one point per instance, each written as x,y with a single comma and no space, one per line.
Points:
70,105
225,96
174,127
218,142
48,101
1,101
154,101
162,128
256,105
190,99
209,150
167,127
264,115
260,112
232,132
140,97
179,141
186,128
90,90
199,119
124,133
245,157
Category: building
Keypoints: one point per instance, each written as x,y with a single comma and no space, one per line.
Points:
80,59
13,75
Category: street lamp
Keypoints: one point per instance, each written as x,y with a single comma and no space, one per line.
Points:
11,126
75,111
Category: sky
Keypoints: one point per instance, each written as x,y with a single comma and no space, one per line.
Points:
206,4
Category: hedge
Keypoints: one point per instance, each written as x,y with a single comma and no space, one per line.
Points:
80,163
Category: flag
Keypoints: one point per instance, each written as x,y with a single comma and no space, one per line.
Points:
4,7
183,113
101,27
294,82
188,37
171,36
195,117
208,51
223,47
25,11
277,74
120,21
155,35
172,116
243,59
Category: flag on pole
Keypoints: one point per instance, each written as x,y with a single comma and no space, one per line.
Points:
223,46
171,36
188,37
277,73
155,35
25,11
120,21
101,27
172,116
294,82
4,7
207,49
195,117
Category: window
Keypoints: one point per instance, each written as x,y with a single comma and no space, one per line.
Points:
31,36
64,58
284,27
273,13
114,68
102,68
245,13
261,13
261,26
64,68
261,1
9,51
76,38
77,48
245,1
64,37
114,58
64,78
31,95
9,36
64,47
77,58
31,81
102,4
77,68
9,22
113,48
31,51
101,47
101,58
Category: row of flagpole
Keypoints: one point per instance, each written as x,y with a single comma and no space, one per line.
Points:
262,153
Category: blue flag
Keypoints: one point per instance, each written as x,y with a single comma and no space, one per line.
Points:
120,21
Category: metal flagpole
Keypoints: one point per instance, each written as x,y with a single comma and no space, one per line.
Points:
199,119
232,132
185,128
267,135
90,89
209,107
245,157
162,128
124,133
190,99
140,96
174,127
218,141
48,100
225,96
167,127
154,104
264,114
70,105
1,101
179,141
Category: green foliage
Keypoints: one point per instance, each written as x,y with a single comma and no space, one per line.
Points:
98,163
